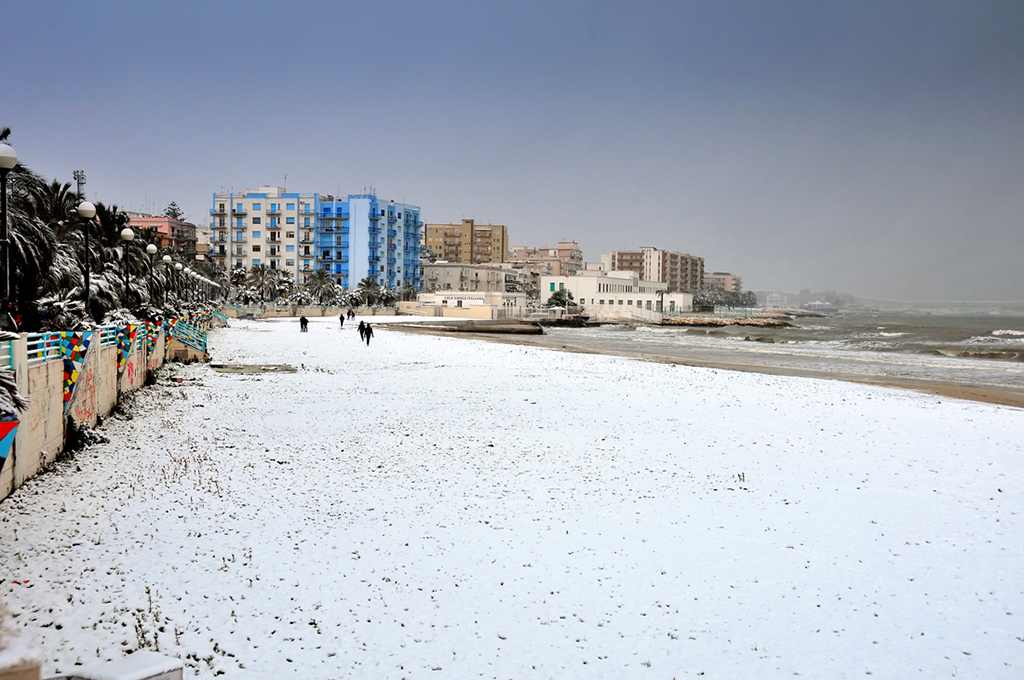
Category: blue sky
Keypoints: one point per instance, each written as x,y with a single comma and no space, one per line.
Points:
867,147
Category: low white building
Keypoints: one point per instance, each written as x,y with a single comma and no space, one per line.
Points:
467,304
617,294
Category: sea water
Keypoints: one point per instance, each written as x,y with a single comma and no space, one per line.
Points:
978,351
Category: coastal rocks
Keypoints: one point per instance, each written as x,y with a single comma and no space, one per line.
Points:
718,322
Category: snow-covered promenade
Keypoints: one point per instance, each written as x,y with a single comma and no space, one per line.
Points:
443,507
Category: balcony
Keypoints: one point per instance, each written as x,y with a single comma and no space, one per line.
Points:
239,240
306,241
273,240
374,215
218,211
274,210
218,254
238,210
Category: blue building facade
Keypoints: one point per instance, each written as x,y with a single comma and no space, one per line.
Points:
363,236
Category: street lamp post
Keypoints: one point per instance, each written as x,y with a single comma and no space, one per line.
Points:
178,267
8,159
86,211
126,235
167,261
151,249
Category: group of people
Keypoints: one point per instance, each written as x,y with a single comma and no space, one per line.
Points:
365,330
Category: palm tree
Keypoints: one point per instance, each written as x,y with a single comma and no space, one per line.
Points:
321,286
369,290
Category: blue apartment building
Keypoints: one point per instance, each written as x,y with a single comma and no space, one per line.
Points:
299,233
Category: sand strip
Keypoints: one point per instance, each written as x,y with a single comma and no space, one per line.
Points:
984,394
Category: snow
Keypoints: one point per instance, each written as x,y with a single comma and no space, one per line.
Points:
486,510
142,665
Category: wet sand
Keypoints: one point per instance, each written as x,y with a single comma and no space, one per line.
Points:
988,395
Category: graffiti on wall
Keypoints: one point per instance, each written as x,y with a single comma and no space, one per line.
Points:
7,430
125,343
74,349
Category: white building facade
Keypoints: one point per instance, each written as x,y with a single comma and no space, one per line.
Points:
617,294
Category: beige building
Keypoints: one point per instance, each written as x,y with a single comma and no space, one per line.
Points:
467,305
446,276
723,281
681,271
566,259
466,243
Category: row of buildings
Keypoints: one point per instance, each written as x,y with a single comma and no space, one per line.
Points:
362,236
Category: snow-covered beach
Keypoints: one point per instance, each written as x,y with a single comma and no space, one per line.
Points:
443,507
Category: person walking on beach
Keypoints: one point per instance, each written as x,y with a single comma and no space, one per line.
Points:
368,333
342,319
303,324
362,330
351,313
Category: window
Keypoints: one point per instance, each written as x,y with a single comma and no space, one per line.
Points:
305,207
305,220
257,220
289,249
602,302
239,235
290,263
256,261
255,206
220,222
290,206
620,302
552,288
256,248
255,234
239,222
289,220
561,286
290,234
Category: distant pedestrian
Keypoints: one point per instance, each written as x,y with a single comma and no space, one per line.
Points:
362,330
303,324
351,313
368,333
342,319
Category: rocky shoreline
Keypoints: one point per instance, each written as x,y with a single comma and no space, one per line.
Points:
719,322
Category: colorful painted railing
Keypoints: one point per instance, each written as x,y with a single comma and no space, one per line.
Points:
7,354
43,347
189,335
221,316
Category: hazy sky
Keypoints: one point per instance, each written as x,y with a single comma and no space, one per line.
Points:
869,147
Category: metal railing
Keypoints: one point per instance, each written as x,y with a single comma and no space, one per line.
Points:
189,335
7,354
43,347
